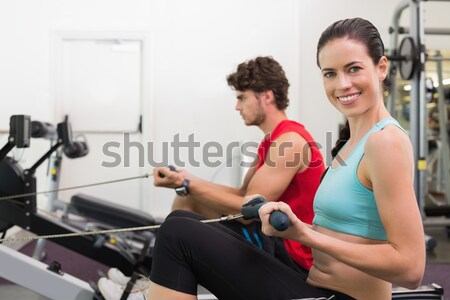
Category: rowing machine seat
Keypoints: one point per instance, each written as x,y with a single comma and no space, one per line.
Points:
109,213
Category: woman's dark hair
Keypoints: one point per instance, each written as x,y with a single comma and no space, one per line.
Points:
359,30
259,75
344,135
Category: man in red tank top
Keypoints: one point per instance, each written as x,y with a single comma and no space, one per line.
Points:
288,166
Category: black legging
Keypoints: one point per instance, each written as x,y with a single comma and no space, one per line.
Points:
188,252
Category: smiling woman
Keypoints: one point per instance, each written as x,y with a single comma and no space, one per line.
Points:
350,75
367,231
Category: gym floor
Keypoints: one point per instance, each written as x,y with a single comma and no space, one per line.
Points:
438,266
438,261
441,254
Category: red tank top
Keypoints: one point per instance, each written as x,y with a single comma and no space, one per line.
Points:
301,190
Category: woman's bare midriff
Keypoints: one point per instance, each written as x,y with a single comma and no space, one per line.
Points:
327,272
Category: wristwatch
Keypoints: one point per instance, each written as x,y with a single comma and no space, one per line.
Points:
184,189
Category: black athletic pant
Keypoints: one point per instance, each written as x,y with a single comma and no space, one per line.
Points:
273,245
188,252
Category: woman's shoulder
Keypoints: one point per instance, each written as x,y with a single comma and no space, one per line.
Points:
390,140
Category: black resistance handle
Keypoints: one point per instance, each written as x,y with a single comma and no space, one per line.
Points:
172,168
279,220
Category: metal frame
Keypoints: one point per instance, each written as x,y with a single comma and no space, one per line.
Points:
443,172
34,275
418,116
417,92
430,31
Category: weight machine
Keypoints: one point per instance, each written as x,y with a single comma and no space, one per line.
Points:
129,252
409,57
17,267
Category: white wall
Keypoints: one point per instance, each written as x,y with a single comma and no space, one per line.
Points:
193,46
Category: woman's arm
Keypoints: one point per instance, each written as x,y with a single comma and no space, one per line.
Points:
389,167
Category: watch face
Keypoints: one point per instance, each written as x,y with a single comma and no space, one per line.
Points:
181,191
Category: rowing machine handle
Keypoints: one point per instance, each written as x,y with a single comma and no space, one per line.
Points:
172,168
279,220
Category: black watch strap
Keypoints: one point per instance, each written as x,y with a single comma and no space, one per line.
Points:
183,190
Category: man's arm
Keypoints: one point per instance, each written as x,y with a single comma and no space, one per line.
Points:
205,197
288,155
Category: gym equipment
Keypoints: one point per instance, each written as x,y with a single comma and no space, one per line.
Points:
172,168
115,250
410,57
430,291
443,159
17,267
19,134
407,57
35,275
128,246
279,220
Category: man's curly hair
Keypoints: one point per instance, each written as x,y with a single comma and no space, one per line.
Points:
259,75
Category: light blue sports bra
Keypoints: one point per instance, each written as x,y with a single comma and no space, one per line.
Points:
343,204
